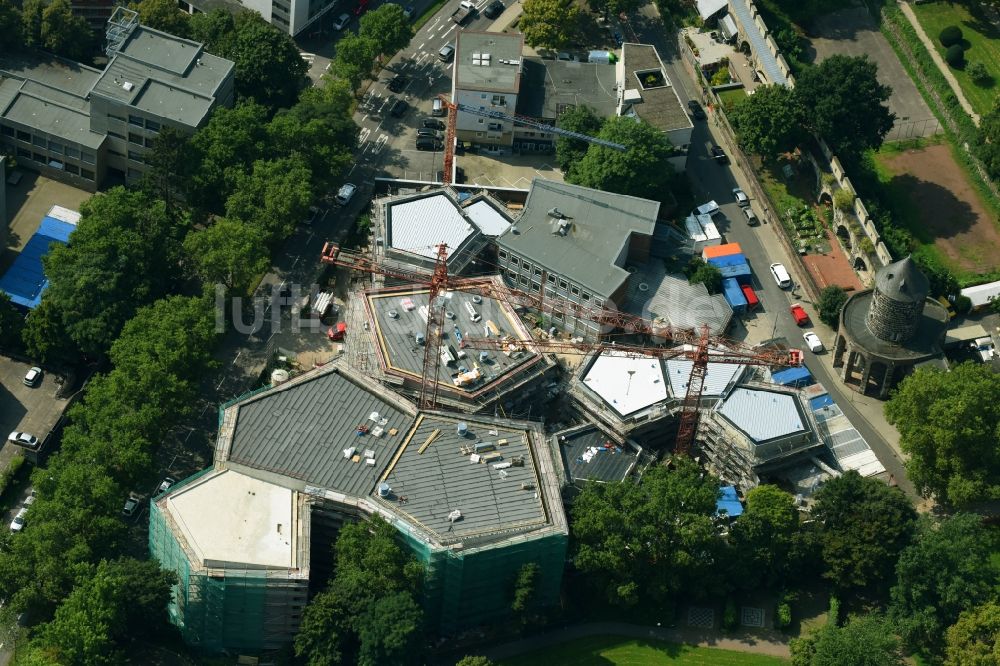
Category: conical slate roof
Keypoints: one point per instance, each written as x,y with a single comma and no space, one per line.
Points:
902,281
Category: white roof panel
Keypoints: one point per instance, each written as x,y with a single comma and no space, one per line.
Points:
717,379
626,383
419,225
981,294
489,220
709,8
762,415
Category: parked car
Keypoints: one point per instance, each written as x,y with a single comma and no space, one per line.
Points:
345,193
337,332
697,112
397,83
750,215
446,53
399,108
23,439
408,11
17,524
430,133
983,348
719,155
431,123
741,197
165,485
341,22
33,377
813,342
131,504
494,9
781,275
619,40
427,143
799,314
313,214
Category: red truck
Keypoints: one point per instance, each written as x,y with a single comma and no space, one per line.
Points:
337,333
799,314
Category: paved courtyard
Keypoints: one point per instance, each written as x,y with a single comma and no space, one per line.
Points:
27,203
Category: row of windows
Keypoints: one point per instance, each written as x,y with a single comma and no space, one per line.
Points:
53,147
137,121
536,272
86,174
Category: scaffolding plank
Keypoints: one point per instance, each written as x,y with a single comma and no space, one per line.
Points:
430,438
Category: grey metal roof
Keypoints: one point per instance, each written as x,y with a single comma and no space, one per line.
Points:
902,281
717,379
503,71
672,297
551,87
301,429
418,224
396,337
611,463
51,118
660,107
491,220
740,10
442,479
763,415
601,226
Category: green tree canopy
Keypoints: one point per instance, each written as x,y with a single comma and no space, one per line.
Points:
31,22
831,301
170,166
651,540
975,639
614,7
391,631
355,59
65,33
11,27
770,121
865,525
946,570
642,170
845,104
708,275
550,24
229,252
473,660
163,15
864,641
763,537
11,324
387,27
583,120
988,147
274,197
949,426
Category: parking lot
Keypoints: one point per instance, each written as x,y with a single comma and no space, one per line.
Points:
22,408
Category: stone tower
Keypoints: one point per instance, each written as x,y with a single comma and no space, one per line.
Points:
897,302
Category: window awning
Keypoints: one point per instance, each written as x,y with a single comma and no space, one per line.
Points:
727,26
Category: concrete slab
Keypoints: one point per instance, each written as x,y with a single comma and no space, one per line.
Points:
26,409
516,171
27,203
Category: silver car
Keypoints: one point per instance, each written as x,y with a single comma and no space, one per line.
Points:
23,439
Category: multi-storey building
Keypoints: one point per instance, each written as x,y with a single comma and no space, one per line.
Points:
486,76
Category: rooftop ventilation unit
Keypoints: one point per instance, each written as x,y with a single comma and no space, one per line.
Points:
556,213
384,489
128,86
455,515
462,429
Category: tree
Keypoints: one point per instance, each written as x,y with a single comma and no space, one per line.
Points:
229,252
942,573
950,36
770,121
614,7
955,55
845,104
979,74
831,301
583,120
865,525
550,24
274,197
388,28
321,633
31,18
471,660
708,275
864,641
170,163
354,60
641,170
11,323
525,587
390,631
975,639
948,426
163,15
214,29
763,536
652,540
64,33
989,141
11,26
44,338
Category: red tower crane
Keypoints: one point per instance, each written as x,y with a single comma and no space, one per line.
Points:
700,347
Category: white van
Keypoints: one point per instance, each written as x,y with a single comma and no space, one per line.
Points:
473,315
781,276
710,208
437,108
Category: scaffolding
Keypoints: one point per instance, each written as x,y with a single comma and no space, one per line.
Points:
121,24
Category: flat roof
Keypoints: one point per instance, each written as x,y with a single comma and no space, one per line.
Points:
49,117
52,71
590,455
672,297
660,107
489,61
601,225
718,377
763,415
427,487
418,224
395,336
551,87
301,429
625,382
491,220
228,517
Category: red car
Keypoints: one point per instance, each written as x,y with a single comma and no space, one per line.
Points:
748,293
337,332
801,318
361,8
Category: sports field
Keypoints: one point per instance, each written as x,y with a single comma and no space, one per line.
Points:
619,651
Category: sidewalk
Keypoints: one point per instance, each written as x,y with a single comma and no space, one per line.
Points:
763,642
941,65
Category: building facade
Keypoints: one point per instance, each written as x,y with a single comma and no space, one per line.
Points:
487,76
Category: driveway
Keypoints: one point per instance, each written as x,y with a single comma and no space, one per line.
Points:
854,32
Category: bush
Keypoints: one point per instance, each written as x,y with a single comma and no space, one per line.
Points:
721,77
963,304
833,615
843,200
729,619
955,55
979,74
8,474
783,617
950,36
831,301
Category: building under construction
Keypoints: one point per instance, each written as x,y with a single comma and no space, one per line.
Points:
473,498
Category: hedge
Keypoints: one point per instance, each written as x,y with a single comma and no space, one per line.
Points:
955,55
950,35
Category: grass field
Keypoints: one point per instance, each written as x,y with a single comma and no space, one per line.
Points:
732,98
615,650
982,44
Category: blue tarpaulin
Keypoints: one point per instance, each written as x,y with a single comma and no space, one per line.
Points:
728,260
792,377
739,271
734,295
729,503
820,402
25,280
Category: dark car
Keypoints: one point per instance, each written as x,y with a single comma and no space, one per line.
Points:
619,40
697,112
399,108
719,155
430,133
431,123
427,143
494,9
397,83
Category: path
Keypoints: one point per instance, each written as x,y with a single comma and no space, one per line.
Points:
775,645
941,65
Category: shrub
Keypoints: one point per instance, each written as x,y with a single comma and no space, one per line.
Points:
955,55
8,474
833,615
729,619
783,617
721,77
979,74
963,304
950,36
843,200
831,301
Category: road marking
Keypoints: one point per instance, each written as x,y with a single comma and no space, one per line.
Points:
363,135
380,143
449,30
421,46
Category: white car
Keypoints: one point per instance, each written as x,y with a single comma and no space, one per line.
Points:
341,22
165,485
346,193
781,276
17,524
813,342
23,439
33,377
30,499
741,197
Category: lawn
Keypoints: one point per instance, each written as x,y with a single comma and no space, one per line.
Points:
982,44
611,650
732,98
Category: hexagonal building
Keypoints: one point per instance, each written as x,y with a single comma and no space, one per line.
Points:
884,332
